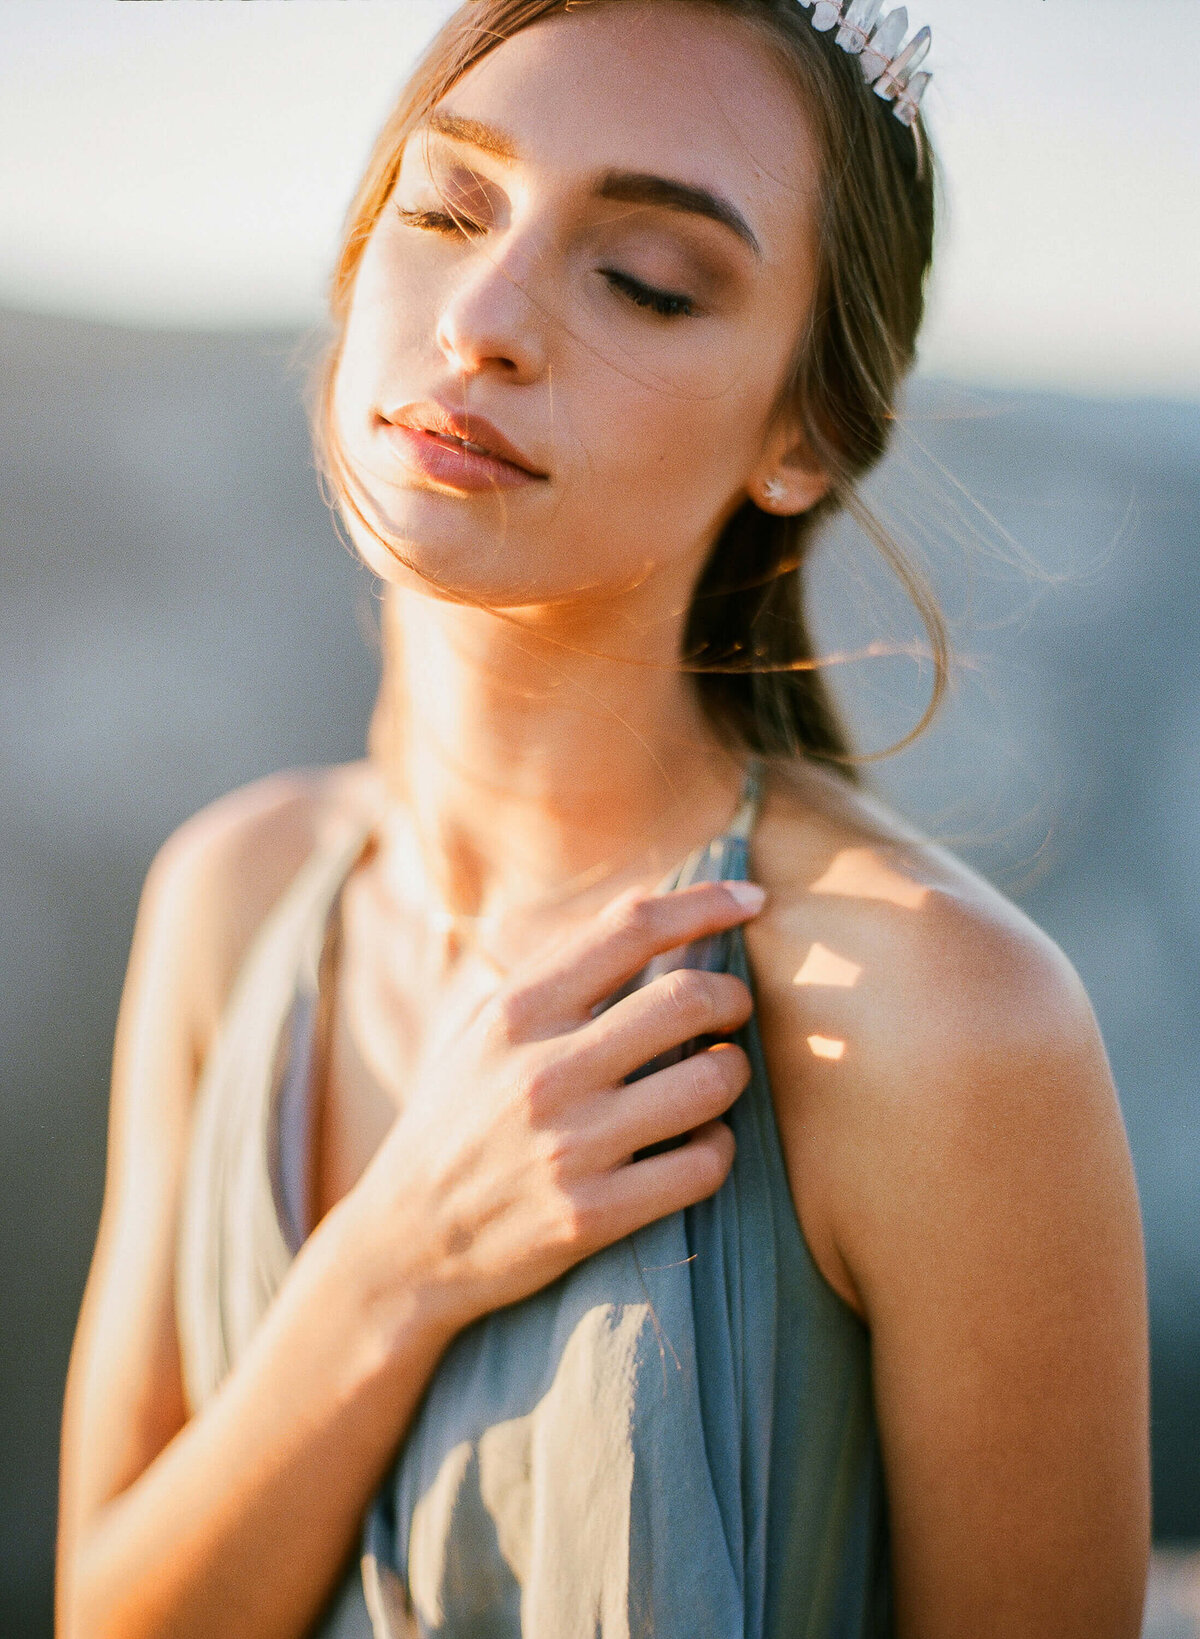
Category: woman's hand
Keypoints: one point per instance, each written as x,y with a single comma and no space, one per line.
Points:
514,1156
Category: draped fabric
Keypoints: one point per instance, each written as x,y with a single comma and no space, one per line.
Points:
676,1438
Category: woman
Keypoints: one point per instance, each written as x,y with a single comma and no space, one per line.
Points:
630,1254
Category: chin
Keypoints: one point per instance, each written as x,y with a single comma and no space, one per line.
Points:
417,559
430,547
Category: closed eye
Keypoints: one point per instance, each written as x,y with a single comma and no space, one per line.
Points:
439,222
668,303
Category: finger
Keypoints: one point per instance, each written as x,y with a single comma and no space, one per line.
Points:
672,1009
566,985
672,1102
642,1192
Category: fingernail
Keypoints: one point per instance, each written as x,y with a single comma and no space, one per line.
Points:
748,894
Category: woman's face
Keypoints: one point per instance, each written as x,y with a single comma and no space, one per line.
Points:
617,306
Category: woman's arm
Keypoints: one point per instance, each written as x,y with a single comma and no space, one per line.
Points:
1005,1292
977,1204
236,1521
513,1162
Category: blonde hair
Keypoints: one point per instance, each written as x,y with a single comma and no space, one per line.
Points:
746,635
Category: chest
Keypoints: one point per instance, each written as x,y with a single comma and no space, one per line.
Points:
383,1018
392,999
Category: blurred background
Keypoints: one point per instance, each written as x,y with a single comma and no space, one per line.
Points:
178,617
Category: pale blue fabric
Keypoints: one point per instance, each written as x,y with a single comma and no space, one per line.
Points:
674,1439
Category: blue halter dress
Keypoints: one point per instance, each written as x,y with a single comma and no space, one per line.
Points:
674,1439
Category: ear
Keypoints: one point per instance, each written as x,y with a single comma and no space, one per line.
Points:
788,479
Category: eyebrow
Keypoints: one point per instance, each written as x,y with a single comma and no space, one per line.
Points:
484,137
628,187
642,188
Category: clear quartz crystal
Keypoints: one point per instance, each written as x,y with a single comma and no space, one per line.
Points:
826,14
860,20
908,103
910,59
913,56
879,53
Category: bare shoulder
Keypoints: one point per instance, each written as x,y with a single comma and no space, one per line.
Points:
218,875
960,1170
207,891
918,1027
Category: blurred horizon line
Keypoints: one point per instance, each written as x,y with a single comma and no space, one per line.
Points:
302,335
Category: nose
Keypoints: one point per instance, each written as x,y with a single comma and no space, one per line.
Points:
491,321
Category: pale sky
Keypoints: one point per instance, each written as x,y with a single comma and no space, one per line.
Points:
187,163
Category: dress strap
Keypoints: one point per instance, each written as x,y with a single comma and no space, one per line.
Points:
744,820
289,1111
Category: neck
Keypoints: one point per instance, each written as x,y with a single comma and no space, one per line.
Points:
539,762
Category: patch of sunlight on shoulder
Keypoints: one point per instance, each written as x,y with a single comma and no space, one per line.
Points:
859,873
823,1047
826,967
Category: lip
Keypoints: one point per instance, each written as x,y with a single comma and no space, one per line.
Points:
426,436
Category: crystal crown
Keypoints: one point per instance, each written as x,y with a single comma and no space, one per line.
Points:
888,65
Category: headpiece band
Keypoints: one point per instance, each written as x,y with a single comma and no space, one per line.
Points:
887,63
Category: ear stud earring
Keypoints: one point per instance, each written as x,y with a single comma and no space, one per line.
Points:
774,490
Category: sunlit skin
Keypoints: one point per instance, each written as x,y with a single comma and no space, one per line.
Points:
863,873
826,967
949,1125
652,429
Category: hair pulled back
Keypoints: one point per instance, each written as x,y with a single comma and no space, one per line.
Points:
746,635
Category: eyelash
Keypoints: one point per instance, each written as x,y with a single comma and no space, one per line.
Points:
438,221
667,304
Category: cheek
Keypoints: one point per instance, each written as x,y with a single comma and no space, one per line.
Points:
390,310
680,437
352,388
653,484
